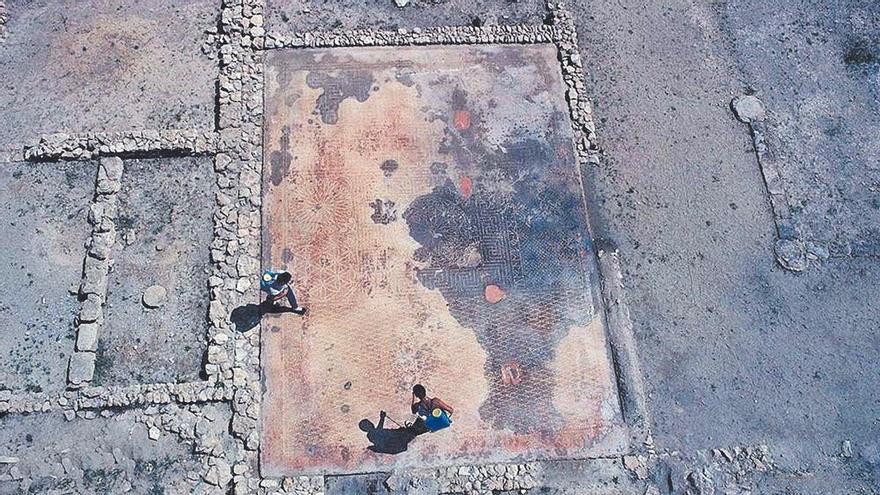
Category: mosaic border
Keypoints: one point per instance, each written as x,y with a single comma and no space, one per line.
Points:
242,38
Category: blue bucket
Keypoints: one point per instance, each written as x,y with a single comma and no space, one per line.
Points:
437,420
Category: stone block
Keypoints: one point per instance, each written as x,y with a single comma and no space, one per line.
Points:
91,309
80,368
87,337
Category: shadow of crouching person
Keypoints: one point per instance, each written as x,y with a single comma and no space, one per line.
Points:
388,440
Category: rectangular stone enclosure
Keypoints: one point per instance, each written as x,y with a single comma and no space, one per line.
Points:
428,202
164,233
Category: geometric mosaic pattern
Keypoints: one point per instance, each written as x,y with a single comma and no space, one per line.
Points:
428,204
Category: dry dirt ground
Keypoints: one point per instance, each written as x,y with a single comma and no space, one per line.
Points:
757,379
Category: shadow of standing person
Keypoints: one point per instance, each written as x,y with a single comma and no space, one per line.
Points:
387,440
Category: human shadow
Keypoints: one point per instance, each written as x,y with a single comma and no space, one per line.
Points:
389,440
248,316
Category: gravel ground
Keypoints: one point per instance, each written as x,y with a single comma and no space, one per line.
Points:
734,349
76,66
817,66
304,15
44,209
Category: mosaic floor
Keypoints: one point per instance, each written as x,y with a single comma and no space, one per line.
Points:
428,203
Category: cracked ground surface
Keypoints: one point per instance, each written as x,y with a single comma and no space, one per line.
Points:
757,379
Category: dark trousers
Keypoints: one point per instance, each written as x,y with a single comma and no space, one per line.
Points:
291,299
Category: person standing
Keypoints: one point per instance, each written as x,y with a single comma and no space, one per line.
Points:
276,284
